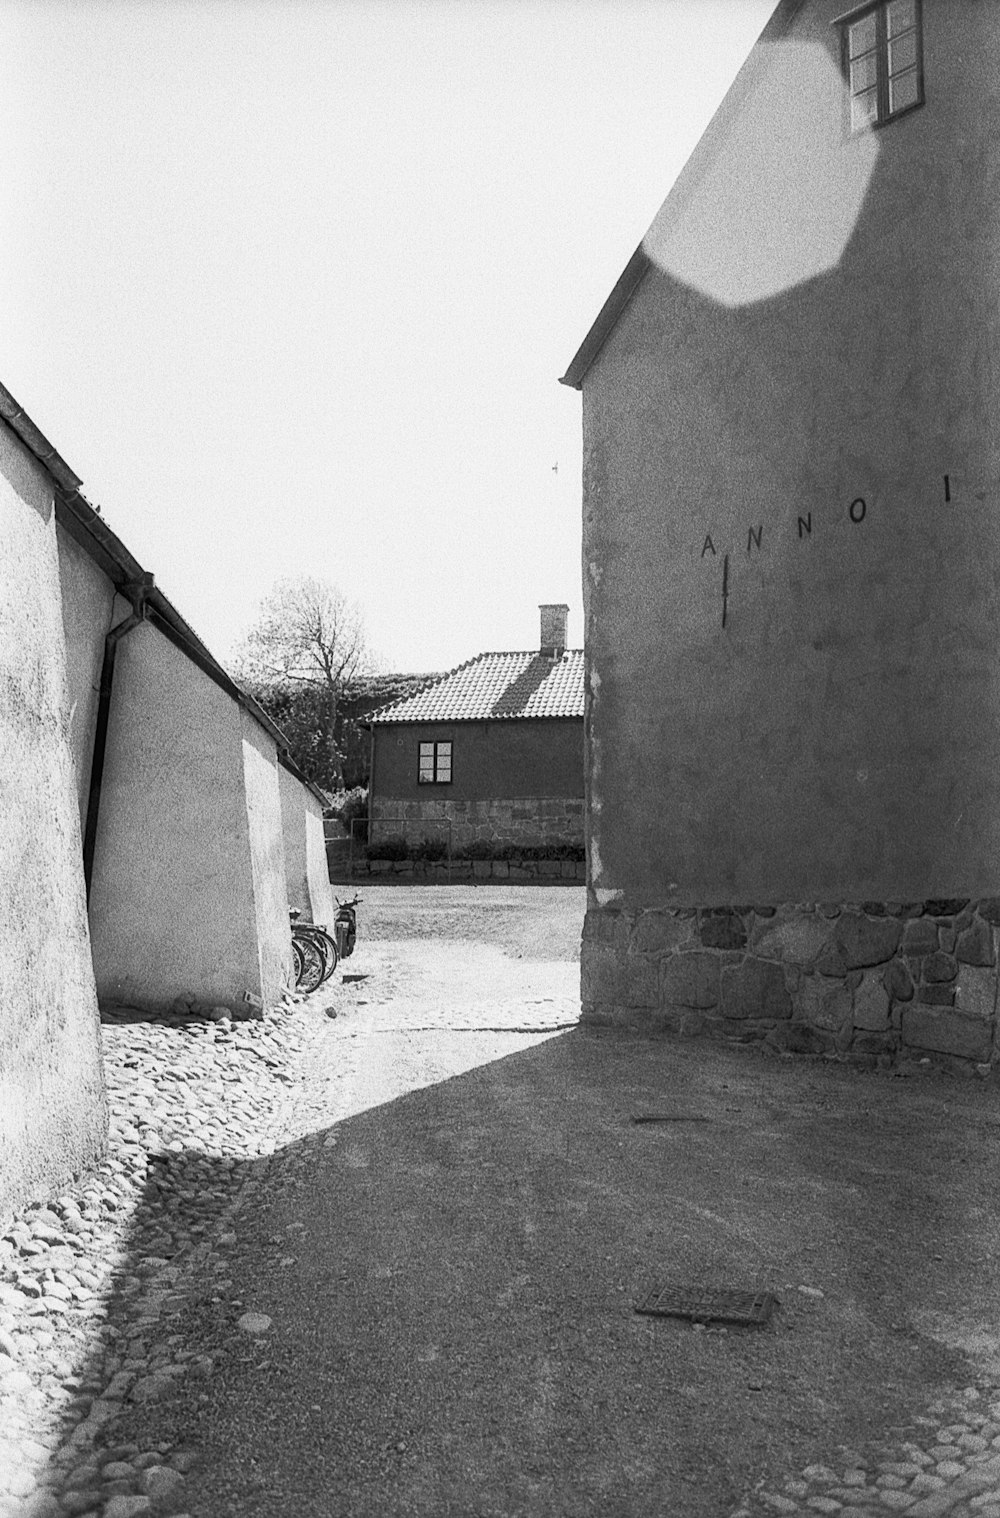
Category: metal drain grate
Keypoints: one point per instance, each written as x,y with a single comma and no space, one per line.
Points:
703,1306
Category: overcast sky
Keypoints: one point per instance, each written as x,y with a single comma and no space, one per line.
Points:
290,283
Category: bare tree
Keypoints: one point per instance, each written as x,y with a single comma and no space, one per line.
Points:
308,638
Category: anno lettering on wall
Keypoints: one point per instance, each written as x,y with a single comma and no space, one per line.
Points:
856,514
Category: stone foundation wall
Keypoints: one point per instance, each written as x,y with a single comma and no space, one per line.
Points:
525,822
545,872
871,982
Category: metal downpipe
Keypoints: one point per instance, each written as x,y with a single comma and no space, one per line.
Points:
136,593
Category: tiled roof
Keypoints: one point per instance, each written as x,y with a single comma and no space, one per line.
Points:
494,687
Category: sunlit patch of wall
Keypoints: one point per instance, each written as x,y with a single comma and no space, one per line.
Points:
775,200
188,895
308,881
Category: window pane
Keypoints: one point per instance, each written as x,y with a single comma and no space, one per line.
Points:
426,752
864,109
903,91
861,36
903,53
864,74
426,772
444,751
443,776
900,15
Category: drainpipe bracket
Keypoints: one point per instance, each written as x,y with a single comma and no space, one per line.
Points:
138,592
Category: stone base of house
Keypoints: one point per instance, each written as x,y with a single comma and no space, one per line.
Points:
527,822
440,872
871,982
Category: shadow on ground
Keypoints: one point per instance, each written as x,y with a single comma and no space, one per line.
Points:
450,1279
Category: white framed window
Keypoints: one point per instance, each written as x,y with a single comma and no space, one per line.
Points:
884,62
434,764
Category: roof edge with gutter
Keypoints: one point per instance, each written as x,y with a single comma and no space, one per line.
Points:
86,527
700,160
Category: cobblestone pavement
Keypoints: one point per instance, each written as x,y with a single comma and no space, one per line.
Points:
90,1286
949,1465
90,1282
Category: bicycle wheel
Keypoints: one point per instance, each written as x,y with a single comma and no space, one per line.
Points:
312,963
296,961
327,948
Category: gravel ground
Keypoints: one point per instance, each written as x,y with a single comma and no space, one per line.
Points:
123,1331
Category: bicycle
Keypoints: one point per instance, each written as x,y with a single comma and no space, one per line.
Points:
314,952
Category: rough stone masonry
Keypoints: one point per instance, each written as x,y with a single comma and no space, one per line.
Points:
871,982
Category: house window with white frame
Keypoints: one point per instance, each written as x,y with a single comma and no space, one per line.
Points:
883,56
435,763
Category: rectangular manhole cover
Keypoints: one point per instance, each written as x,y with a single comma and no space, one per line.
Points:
707,1306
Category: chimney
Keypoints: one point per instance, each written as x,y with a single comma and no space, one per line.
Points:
553,638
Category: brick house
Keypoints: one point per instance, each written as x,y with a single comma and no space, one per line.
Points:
792,555
491,753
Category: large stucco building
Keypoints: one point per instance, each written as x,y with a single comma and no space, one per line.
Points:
792,554
140,783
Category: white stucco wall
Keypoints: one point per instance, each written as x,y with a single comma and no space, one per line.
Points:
87,608
174,901
53,1112
267,858
305,850
317,868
